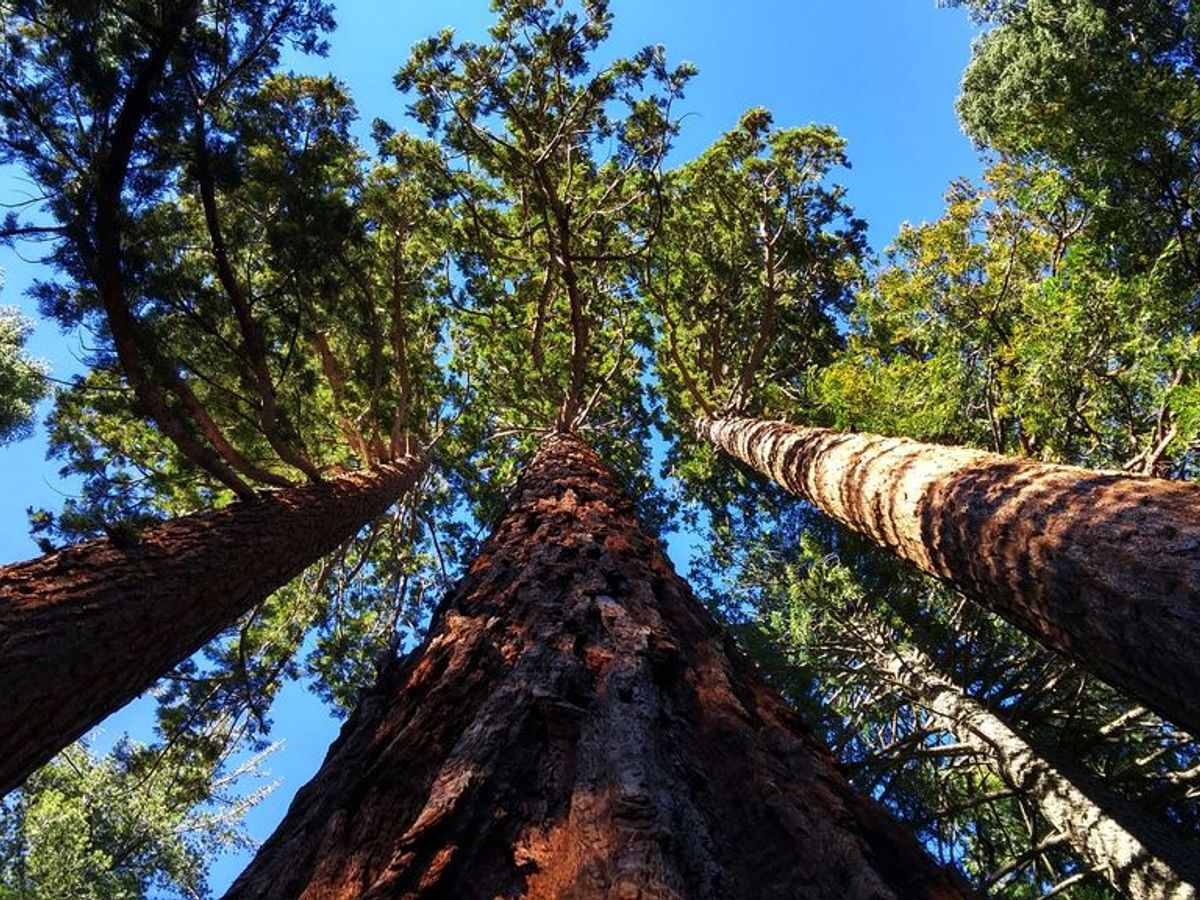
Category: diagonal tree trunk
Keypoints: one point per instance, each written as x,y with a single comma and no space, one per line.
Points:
577,725
1101,566
1137,856
86,629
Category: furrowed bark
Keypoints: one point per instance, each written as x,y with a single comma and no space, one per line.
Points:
1104,567
1138,856
576,725
86,629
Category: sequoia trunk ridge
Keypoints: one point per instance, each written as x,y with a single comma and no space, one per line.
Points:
577,725
1101,566
88,628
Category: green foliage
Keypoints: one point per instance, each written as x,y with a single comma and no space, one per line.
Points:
1005,326
122,116
64,71
750,281
1107,90
553,164
121,826
301,303
22,379
758,261
289,287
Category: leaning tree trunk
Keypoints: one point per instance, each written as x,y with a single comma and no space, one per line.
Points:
577,725
86,629
1101,566
1138,856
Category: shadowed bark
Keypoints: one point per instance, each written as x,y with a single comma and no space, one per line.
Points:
1103,567
86,629
577,726
1137,856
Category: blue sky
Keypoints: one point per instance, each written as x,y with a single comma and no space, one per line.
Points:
884,72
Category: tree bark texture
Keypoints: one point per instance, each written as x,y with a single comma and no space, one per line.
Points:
1137,856
86,629
576,725
1101,566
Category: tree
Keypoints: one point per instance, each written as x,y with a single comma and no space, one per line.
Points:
87,629
759,256
1037,543
759,259
959,726
553,164
274,306
79,130
203,246
948,510
200,352
1138,857
564,196
1105,90
118,826
22,380
567,728
1003,325
553,667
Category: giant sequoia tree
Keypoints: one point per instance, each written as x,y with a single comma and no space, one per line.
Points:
1039,317
560,730
570,728
1000,529
292,332
204,246
1098,565
154,597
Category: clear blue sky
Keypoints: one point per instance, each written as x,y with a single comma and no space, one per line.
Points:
885,72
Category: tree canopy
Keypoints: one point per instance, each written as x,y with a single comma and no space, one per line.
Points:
271,300
22,378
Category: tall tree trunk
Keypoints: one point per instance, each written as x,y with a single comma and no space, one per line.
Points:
1101,566
86,629
577,725
1138,856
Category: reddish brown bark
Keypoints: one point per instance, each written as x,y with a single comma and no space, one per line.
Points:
87,629
1102,566
577,725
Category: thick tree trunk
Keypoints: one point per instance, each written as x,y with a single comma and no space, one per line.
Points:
576,725
1101,566
1138,856
87,629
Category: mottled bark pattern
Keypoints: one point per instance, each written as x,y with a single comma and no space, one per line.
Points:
577,726
1102,566
87,629
1138,856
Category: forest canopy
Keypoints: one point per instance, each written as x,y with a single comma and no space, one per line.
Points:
330,348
